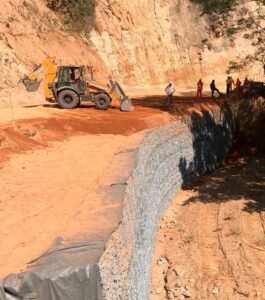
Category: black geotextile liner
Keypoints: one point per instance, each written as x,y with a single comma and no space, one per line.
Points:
68,272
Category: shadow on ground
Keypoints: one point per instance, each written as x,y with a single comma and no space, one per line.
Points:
241,177
242,180
180,104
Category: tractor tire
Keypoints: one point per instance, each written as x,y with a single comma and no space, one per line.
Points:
102,101
68,99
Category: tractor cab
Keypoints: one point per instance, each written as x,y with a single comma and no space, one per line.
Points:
72,77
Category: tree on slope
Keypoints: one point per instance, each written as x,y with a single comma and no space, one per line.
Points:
248,20
78,15
251,22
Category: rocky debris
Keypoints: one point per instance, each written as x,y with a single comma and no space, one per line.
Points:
166,160
207,274
176,292
157,290
215,290
179,271
177,284
186,293
258,294
29,132
162,261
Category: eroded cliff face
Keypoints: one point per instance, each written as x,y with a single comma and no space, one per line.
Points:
139,42
153,41
29,32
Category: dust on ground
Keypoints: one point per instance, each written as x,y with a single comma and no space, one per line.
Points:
211,243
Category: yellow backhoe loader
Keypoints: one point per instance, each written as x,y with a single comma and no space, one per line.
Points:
68,86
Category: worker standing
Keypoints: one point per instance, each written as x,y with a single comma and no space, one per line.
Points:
238,83
199,88
214,89
170,90
229,85
233,85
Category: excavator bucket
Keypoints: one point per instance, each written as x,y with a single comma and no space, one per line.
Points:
31,85
126,102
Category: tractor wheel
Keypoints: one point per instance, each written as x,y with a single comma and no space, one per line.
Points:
102,101
68,99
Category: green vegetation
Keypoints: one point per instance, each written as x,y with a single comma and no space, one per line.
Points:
216,6
249,21
77,15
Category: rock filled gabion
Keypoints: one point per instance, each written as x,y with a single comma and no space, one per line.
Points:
168,158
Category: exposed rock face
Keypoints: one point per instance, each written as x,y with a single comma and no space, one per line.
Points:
138,42
150,42
29,32
143,41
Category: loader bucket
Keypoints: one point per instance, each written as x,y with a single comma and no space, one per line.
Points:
126,105
126,102
31,85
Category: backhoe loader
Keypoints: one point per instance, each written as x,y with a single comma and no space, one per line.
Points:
68,86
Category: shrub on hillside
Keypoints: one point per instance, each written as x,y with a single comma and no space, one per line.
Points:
213,6
249,21
78,15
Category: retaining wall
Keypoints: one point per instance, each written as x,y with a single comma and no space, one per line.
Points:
168,157
118,267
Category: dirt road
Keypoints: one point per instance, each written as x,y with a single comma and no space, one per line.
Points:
31,127
211,243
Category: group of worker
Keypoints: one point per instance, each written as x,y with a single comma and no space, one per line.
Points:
230,86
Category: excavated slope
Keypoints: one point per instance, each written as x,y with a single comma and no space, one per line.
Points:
138,42
153,41
29,32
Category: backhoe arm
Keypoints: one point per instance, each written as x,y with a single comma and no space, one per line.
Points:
32,81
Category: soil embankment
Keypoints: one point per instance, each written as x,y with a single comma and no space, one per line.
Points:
211,239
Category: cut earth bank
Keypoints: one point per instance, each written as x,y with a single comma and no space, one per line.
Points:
125,199
211,239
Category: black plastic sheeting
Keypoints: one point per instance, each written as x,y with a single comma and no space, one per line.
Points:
67,272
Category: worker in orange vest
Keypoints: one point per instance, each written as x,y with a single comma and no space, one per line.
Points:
238,83
199,88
